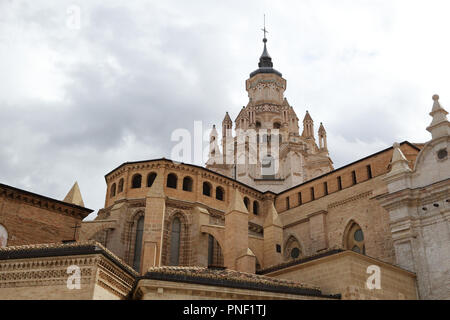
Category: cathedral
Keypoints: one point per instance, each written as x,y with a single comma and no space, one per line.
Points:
268,217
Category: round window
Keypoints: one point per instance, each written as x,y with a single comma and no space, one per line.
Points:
295,253
442,153
358,235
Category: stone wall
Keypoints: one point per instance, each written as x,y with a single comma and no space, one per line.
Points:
346,273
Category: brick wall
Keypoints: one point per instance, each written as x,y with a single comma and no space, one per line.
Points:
32,219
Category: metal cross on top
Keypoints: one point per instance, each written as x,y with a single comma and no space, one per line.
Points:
264,29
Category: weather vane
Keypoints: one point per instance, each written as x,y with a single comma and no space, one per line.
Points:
264,29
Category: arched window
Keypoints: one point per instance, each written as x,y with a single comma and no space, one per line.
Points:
255,207
138,244
120,189
150,179
258,124
215,256
292,249
247,203
175,242
172,181
220,193
136,181
354,238
207,189
187,183
277,125
113,190
3,236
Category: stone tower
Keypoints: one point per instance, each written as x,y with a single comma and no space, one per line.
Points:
267,152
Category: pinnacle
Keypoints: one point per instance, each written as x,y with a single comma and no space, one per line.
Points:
399,162
272,217
74,195
237,204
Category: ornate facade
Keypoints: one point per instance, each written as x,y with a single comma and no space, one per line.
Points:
268,151
282,214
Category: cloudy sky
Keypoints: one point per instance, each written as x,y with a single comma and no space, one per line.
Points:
77,102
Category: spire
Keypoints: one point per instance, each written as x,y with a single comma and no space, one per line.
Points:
322,137
227,118
322,129
307,117
74,196
213,131
308,126
439,126
265,61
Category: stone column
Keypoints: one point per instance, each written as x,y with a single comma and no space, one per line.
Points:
235,251
155,207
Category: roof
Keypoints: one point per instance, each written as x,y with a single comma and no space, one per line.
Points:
62,203
265,63
329,253
191,165
62,249
348,165
265,192
232,279
299,261
307,117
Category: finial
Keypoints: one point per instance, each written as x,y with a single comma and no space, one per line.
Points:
435,97
264,30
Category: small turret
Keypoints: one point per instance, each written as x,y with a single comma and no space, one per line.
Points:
227,125
439,126
322,138
308,126
213,148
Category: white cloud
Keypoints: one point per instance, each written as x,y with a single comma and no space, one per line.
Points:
76,104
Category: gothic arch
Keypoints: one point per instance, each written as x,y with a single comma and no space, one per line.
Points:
184,245
130,234
216,233
215,252
292,248
354,237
